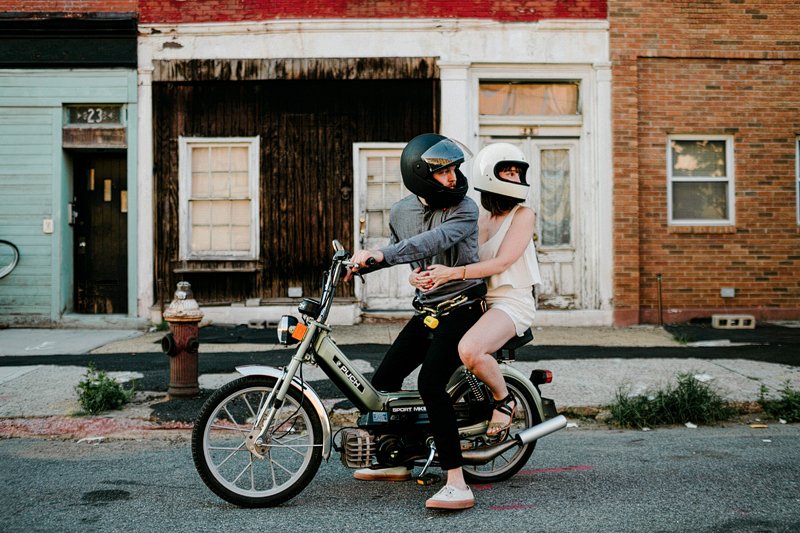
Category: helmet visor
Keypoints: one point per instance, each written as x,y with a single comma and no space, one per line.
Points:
445,153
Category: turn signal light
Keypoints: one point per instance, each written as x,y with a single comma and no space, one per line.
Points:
299,331
540,376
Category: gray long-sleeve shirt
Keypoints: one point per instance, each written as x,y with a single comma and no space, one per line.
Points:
421,236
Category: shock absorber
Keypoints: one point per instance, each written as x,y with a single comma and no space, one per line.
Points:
474,385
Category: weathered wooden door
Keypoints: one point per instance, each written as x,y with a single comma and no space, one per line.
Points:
100,234
552,176
378,186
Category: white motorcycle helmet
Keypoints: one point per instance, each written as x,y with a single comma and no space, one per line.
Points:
487,165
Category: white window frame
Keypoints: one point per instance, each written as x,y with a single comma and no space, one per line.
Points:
729,179
185,145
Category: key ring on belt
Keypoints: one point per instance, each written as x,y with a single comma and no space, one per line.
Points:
432,314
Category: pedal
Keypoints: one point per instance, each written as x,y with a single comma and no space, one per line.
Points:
428,479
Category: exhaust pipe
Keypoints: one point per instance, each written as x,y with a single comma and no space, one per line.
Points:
526,436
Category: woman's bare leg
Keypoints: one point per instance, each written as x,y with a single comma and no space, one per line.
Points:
488,335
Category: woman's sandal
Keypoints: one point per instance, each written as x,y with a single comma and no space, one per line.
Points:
505,406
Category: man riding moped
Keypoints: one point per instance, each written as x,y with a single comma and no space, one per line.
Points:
437,223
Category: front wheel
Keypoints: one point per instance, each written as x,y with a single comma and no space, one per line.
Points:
291,454
509,463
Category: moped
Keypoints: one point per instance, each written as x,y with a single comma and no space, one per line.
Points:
259,440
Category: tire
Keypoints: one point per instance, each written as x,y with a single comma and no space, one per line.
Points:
291,456
9,257
512,461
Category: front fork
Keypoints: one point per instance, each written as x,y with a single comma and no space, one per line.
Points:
258,437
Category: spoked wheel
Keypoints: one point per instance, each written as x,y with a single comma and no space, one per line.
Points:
509,463
291,453
9,257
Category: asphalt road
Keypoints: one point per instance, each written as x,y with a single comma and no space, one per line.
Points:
709,479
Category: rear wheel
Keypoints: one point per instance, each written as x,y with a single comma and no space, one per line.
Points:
291,454
509,463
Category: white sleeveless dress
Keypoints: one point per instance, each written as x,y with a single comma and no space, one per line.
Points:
511,291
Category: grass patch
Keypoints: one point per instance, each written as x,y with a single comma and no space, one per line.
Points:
98,392
786,406
689,401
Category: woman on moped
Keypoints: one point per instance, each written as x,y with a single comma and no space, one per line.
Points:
508,261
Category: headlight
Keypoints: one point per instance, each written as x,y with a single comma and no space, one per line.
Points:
286,327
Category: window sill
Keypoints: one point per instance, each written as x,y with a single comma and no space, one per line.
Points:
701,229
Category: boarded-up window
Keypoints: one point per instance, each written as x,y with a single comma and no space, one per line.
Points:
515,98
701,180
219,198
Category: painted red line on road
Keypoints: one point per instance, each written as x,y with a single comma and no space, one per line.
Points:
552,470
514,507
481,486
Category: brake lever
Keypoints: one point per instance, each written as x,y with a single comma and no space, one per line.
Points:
355,272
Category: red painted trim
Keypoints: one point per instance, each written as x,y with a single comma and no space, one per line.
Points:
197,11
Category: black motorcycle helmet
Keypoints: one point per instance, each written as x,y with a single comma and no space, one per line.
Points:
424,155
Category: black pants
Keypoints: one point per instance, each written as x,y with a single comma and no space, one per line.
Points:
437,351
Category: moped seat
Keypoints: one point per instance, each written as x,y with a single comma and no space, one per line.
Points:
506,352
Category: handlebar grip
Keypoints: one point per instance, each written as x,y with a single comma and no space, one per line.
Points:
371,262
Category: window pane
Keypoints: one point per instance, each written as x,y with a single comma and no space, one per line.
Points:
700,200
201,212
375,196
393,169
506,98
375,227
220,185
200,159
220,213
240,186
698,158
238,159
555,215
240,213
393,192
201,238
240,238
220,239
220,159
201,185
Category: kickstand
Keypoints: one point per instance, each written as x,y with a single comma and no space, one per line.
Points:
424,478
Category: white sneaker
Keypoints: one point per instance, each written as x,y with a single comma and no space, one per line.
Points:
377,473
451,498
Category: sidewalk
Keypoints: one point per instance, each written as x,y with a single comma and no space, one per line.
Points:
40,368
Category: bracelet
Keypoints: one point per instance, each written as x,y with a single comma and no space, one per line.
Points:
464,274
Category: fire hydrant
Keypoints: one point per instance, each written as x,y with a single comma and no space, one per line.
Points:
182,342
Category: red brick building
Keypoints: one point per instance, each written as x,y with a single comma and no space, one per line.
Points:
706,119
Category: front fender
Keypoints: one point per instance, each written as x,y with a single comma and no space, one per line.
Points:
306,390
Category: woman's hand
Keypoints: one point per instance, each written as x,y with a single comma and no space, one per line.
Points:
440,274
420,279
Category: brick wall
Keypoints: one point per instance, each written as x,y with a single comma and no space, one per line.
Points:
715,67
67,6
174,11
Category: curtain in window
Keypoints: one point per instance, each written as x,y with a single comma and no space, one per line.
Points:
555,216
528,99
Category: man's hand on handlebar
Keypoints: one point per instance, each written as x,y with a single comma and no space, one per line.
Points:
363,258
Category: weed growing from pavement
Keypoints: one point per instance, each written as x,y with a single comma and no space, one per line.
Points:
689,401
787,407
98,392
